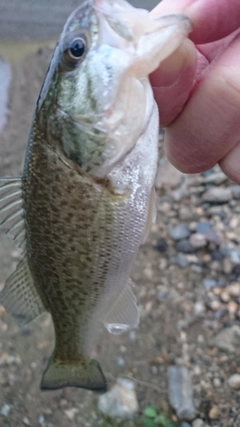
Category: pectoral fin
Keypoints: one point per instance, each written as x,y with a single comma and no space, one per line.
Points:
19,296
123,314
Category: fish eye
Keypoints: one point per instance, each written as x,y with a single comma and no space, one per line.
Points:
75,50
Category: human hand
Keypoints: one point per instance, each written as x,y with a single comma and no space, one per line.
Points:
198,88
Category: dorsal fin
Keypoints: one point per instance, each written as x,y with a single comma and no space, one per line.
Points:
11,210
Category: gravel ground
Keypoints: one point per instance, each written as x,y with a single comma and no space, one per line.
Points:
187,278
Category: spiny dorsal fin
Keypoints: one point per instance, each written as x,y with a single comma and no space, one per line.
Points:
19,296
11,211
123,314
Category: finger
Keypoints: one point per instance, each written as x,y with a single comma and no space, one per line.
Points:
173,81
211,19
230,164
208,128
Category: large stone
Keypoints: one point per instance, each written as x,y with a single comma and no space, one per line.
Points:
180,392
120,401
228,339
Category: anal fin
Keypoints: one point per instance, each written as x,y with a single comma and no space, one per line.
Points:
19,296
152,215
123,314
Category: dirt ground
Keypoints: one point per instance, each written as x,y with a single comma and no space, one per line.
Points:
179,318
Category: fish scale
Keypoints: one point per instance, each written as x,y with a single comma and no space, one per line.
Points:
86,199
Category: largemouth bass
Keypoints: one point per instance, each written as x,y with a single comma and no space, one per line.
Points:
85,201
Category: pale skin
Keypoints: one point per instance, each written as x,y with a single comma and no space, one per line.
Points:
198,88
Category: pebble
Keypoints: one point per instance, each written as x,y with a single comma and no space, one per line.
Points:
198,423
184,424
120,401
209,284
236,191
70,413
184,246
234,289
5,410
121,362
179,232
182,260
217,382
228,339
180,392
161,245
217,195
225,297
198,240
214,413
41,420
232,307
234,255
234,381
203,227
199,308
215,305
215,178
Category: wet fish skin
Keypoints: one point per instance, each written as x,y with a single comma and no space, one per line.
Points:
87,198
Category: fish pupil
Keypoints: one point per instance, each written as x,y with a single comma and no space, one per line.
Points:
77,48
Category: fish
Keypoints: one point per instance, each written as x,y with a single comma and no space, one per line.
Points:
85,201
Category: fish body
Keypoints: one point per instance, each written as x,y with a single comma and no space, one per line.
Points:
86,201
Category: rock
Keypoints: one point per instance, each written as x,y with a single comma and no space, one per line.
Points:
121,362
214,413
184,424
41,420
70,413
161,245
209,284
234,255
217,255
5,410
120,401
234,381
198,240
224,295
203,227
232,307
218,195
179,232
199,308
198,423
217,382
233,289
236,191
182,260
215,305
228,339
184,246
215,178
180,392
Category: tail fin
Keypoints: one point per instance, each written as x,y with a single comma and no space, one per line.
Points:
83,373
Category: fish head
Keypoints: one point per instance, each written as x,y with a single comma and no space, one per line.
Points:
96,100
